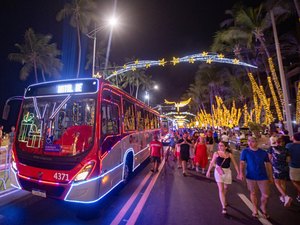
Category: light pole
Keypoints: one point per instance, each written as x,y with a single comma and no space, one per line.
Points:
112,22
147,97
287,111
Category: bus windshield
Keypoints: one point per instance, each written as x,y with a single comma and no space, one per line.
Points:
59,126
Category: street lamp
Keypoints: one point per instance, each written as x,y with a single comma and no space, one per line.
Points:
112,22
147,97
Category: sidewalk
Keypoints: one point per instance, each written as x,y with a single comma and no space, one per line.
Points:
4,169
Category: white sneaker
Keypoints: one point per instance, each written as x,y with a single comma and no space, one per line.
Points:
197,169
287,201
282,199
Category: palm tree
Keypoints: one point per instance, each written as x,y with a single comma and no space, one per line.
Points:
81,14
99,57
37,54
134,80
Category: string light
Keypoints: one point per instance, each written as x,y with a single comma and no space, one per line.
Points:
298,105
175,61
276,82
277,107
202,57
221,116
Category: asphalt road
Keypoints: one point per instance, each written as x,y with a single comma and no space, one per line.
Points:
162,198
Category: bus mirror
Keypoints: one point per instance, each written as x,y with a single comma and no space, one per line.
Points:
6,111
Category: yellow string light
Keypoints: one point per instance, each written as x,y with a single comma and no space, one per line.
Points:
161,62
191,60
221,56
277,107
209,61
276,82
175,61
298,105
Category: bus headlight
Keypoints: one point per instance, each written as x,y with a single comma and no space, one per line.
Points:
84,172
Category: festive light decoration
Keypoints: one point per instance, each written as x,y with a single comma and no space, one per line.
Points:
221,116
246,115
259,92
235,61
209,61
298,105
179,117
221,56
191,60
181,113
175,61
162,62
277,107
276,82
203,57
179,104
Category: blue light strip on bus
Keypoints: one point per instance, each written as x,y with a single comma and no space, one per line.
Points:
103,175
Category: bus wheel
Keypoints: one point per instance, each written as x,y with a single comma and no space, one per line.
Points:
127,170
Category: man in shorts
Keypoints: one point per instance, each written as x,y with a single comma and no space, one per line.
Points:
294,152
156,149
258,174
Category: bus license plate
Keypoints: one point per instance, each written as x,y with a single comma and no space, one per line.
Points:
39,193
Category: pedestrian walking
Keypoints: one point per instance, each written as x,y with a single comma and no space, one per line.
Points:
225,138
185,145
221,160
201,158
294,153
209,144
156,149
278,157
258,175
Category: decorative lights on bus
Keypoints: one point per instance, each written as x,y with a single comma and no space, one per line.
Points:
13,163
69,88
85,172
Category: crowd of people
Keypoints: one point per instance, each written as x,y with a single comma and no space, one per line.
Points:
258,167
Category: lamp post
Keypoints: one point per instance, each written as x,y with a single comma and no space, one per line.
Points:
147,97
287,111
112,22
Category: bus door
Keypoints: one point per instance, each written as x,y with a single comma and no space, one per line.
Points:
110,125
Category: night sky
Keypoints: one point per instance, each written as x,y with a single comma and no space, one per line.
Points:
150,29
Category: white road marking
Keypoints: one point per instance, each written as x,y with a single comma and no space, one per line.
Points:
249,205
9,193
130,201
136,212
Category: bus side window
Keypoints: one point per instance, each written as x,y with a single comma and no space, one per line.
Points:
110,119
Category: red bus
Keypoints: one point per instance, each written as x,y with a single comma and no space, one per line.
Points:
78,139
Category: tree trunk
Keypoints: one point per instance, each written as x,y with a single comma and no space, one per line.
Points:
43,76
79,49
35,71
137,89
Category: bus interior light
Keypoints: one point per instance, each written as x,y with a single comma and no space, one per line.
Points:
83,174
